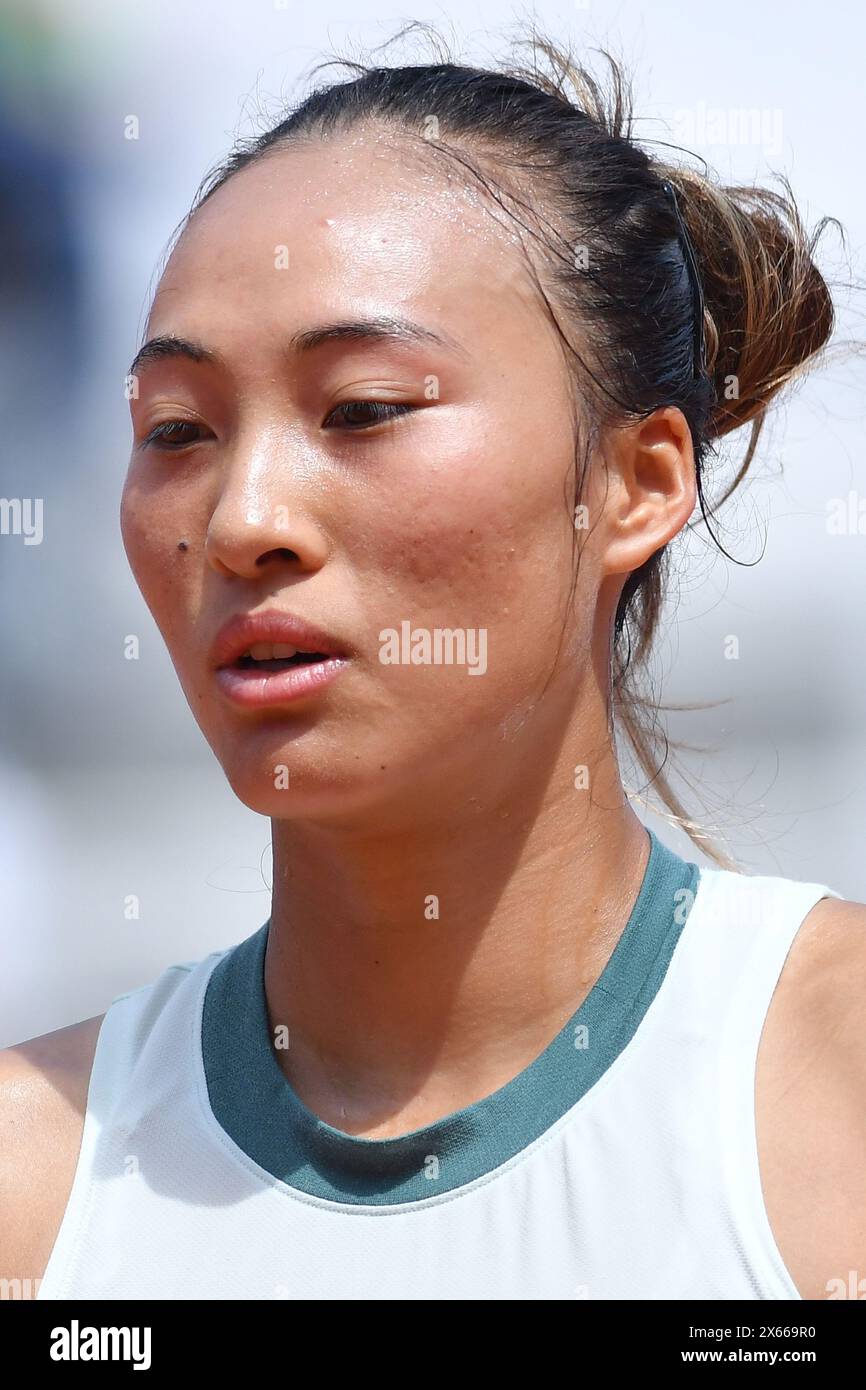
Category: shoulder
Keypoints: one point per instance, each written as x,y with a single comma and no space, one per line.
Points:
43,1098
811,1103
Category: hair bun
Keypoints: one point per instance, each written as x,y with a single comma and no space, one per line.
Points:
767,308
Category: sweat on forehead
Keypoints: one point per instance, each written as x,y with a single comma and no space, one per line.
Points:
390,201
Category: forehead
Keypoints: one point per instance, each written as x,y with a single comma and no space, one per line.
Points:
361,221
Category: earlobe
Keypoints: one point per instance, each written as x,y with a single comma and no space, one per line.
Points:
653,488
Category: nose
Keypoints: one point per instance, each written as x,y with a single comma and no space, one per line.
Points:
262,520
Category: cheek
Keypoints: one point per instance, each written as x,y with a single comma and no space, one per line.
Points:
145,530
483,545
473,537
164,574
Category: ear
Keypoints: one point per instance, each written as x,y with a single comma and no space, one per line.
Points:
651,488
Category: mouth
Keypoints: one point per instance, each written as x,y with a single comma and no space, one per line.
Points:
276,656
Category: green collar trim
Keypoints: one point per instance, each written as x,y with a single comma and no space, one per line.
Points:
255,1104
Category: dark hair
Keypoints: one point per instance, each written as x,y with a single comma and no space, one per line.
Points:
700,296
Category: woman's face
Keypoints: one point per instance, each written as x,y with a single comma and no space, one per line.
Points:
446,513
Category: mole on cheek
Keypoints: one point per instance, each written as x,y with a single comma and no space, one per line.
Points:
182,545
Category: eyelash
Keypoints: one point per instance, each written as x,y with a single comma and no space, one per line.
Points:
384,411
159,437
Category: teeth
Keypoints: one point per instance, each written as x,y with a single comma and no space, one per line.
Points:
270,651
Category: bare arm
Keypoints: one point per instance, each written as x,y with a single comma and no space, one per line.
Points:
811,1104
43,1095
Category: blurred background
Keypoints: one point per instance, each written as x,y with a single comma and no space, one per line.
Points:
109,117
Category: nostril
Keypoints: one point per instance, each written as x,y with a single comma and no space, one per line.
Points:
281,553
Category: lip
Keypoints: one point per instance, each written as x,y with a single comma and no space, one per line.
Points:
253,688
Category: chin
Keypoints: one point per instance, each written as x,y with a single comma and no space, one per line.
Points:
292,787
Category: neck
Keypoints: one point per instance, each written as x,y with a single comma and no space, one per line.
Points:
419,970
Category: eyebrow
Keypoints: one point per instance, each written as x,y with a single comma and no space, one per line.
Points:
384,328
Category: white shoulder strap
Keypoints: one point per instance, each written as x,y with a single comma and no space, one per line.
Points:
130,1021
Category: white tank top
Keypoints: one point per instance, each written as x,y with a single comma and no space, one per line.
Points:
621,1164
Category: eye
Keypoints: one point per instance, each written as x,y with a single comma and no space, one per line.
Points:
381,411
170,435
